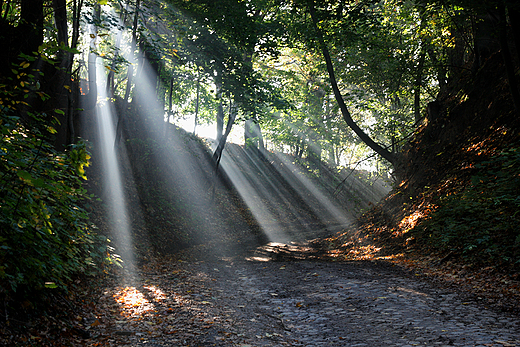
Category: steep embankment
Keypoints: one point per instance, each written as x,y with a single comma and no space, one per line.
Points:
455,213
176,200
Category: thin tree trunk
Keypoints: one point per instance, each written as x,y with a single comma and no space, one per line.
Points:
60,20
197,105
89,100
170,97
130,74
111,73
92,57
217,155
339,98
76,15
61,78
72,95
220,109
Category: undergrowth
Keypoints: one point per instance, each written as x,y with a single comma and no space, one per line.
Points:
482,222
45,236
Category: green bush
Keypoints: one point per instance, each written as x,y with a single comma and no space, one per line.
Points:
45,237
482,223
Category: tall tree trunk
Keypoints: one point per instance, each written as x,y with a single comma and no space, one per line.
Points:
217,155
77,5
60,19
75,96
417,87
111,74
130,75
130,72
197,105
391,157
220,109
90,99
60,85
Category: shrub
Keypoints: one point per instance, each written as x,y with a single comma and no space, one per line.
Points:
482,223
45,237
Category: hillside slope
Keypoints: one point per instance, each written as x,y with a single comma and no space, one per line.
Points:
176,200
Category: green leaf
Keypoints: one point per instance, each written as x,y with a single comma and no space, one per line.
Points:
51,130
39,182
51,285
24,175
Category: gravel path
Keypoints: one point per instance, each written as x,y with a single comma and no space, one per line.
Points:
239,302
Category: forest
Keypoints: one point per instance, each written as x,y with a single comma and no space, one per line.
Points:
139,130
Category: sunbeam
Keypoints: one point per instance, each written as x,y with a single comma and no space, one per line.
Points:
360,187
112,178
254,196
307,189
181,175
287,208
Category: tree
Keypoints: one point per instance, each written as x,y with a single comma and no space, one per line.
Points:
23,30
236,32
45,236
391,157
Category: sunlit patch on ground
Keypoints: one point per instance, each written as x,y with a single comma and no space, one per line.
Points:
409,290
172,304
258,258
132,302
279,251
363,252
392,257
157,293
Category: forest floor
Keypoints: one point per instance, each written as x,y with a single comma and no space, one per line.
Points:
275,295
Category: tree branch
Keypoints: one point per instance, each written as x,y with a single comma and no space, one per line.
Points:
339,98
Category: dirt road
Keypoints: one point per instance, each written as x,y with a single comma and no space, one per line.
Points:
254,302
